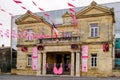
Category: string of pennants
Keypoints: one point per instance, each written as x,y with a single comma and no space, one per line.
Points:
14,35
23,7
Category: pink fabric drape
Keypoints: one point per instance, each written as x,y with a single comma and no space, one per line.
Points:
58,71
55,69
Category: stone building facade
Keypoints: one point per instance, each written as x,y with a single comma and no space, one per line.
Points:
94,30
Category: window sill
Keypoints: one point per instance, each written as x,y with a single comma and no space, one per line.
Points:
93,37
94,68
28,66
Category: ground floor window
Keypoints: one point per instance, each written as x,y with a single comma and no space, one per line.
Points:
117,58
93,60
29,60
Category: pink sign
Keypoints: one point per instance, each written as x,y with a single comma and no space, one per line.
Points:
84,50
84,58
84,65
35,51
34,63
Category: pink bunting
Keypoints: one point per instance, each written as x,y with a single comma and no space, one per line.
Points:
14,34
7,33
11,15
0,24
3,10
16,1
46,14
71,10
41,9
1,33
24,7
34,3
69,4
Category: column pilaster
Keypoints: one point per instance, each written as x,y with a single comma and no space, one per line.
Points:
44,64
72,64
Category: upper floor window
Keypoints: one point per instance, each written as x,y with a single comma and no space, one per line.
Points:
94,60
30,34
66,34
94,29
67,20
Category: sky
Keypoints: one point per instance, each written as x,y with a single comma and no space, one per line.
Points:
11,7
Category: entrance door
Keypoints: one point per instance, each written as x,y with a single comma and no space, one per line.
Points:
67,62
58,60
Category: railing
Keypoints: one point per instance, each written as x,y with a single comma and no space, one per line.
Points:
59,40
65,68
117,63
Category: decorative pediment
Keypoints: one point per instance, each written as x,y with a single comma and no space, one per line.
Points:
94,10
66,15
29,18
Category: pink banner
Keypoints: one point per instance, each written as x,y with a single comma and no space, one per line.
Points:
34,63
84,50
35,51
84,65
84,58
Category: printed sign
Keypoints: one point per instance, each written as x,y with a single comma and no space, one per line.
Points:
35,51
84,64
84,58
34,63
84,50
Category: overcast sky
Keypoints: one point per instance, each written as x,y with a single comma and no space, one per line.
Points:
11,7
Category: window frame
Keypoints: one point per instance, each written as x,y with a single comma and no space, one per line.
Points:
28,37
95,60
28,57
94,30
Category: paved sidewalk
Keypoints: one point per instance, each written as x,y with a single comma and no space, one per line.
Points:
20,77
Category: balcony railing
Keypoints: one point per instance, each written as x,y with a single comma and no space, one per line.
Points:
72,39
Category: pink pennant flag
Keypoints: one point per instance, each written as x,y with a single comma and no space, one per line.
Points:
0,24
14,34
41,9
46,14
1,33
16,1
34,3
11,15
24,7
69,4
3,10
71,10
7,33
